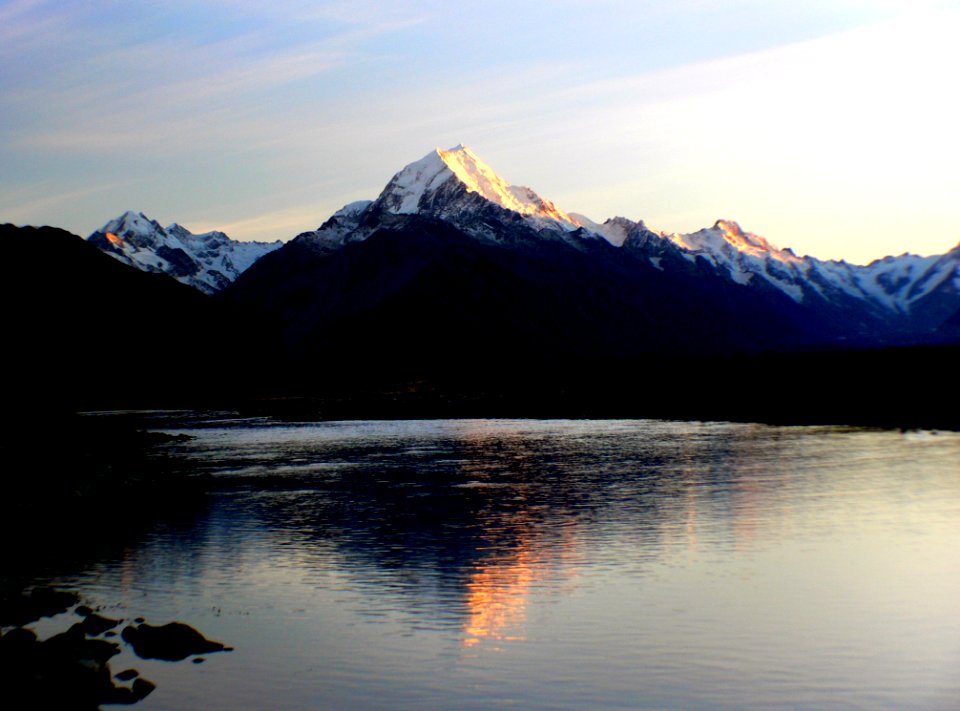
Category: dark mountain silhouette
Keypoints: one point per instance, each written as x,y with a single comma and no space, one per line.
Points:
82,329
950,329
422,321
422,292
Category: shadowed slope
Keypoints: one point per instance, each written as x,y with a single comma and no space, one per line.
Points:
80,328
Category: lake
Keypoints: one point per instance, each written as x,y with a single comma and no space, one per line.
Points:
470,564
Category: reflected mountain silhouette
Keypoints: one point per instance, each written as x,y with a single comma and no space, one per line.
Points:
463,519
403,562
460,518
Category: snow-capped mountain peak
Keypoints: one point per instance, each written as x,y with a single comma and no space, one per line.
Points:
414,189
133,227
456,187
207,261
726,237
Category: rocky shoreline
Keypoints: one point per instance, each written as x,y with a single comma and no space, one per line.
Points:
71,669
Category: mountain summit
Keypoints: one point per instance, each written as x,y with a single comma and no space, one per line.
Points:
456,187
207,261
426,185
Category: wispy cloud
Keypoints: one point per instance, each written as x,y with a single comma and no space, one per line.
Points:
348,12
116,94
29,22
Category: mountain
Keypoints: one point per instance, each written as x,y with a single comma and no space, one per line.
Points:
207,261
452,266
88,329
950,329
455,187
894,300
901,295
451,184
455,293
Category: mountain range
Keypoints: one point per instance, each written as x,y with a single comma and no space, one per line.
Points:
458,293
450,260
897,299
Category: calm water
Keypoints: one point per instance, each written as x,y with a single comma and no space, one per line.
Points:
553,564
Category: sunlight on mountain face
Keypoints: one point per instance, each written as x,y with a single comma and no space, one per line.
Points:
725,234
114,239
751,243
480,178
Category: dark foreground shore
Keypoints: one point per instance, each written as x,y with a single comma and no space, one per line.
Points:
76,490
896,388
904,387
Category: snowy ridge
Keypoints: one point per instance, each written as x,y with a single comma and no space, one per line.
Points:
744,256
341,225
207,261
891,284
616,230
455,185
478,177
728,239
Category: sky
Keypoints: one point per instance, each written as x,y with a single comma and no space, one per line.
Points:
828,126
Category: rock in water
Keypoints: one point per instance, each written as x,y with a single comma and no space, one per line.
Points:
171,642
94,624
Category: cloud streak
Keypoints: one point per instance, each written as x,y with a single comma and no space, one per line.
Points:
166,79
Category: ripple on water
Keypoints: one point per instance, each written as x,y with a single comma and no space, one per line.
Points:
555,564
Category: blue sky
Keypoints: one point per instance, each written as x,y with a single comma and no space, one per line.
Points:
826,126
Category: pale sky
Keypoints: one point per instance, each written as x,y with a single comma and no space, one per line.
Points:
828,126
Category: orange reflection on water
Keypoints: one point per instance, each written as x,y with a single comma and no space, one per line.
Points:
500,589
497,599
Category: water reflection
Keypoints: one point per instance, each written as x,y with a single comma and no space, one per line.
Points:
482,511
497,594
501,583
667,558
